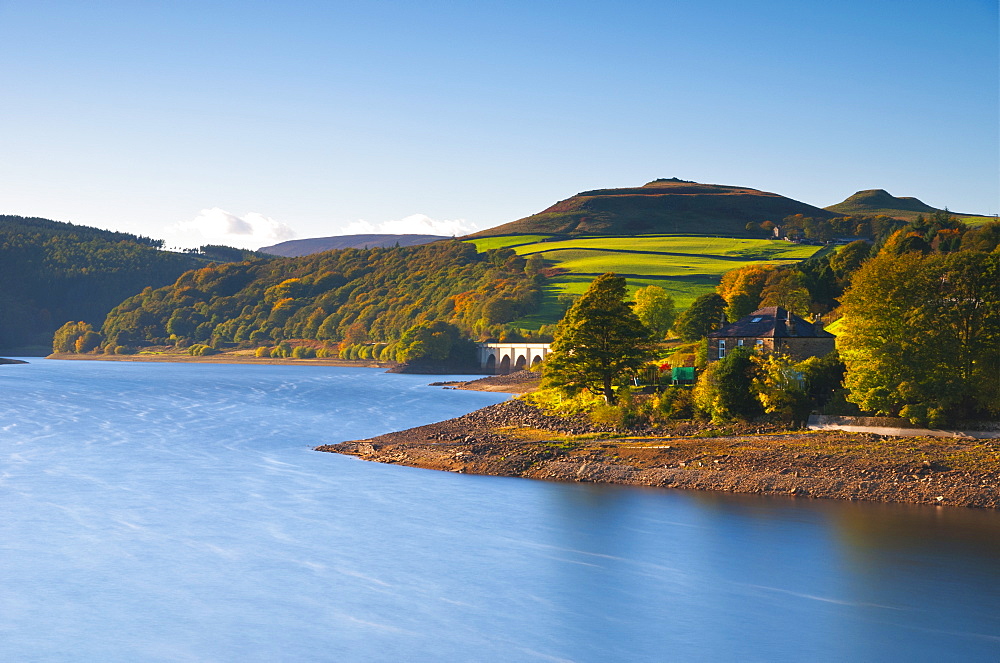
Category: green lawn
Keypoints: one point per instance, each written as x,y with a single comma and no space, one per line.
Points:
686,266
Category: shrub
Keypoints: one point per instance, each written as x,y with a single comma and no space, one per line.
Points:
201,350
674,403
303,352
262,351
725,389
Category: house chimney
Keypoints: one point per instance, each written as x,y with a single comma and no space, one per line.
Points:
789,324
817,324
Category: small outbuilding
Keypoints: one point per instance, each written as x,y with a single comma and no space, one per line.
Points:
772,329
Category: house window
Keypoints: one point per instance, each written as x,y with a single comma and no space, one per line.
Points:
760,344
740,342
756,319
722,349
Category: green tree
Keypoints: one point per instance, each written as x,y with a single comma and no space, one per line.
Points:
704,316
725,389
740,306
849,259
428,340
655,308
534,264
599,343
921,335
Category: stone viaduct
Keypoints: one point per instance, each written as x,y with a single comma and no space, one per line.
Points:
503,358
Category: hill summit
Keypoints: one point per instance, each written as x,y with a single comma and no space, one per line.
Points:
661,206
880,201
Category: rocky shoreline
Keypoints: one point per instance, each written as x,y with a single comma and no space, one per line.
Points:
515,439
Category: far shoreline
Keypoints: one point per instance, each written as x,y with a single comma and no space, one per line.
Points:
221,358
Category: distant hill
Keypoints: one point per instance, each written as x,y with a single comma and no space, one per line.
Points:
872,202
661,206
295,248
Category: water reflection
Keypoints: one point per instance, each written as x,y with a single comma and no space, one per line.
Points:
849,580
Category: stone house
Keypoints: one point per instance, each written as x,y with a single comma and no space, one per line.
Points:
772,329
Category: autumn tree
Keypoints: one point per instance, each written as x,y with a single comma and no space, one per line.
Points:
742,288
75,337
780,387
655,308
599,343
786,288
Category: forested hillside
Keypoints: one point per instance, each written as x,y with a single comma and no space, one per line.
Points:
355,296
51,272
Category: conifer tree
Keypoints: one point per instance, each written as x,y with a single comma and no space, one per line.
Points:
599,343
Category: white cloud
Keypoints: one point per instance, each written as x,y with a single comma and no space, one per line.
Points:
415,224
217,226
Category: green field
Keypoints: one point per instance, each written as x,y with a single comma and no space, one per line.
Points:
686,266
975,221
487,243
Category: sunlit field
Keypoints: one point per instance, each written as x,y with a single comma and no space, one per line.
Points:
686,266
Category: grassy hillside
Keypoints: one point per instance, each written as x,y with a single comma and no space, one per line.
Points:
873,202
685,265
661,206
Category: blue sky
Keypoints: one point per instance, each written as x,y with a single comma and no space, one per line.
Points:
247,123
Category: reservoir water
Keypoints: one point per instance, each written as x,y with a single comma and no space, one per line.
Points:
172,512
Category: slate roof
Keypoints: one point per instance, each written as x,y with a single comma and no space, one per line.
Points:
769,322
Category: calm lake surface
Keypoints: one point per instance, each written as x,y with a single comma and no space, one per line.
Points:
171,512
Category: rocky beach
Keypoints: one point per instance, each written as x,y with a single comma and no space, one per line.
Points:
516,439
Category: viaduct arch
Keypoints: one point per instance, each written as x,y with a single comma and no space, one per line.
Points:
503,358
